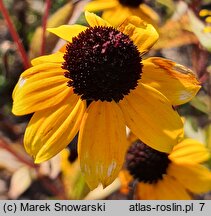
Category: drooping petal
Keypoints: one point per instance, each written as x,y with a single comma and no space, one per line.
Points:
67,32
170,189
101,5
151,118
94,20
51,130
194,177
102,143
142,34
38,88
189,150
175,81
52,58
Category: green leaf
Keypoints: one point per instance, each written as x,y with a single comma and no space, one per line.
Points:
200,103
81,189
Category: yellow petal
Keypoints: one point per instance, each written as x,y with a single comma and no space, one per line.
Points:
94,20
39,88
31,71
151,118
189,150
145,191
102,143
101,5
148,14
67,32
52,58
194,177
170,189
175,81
42,68
51,130
142,34
116,15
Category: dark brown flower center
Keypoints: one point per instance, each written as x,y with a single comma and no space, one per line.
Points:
146,164
131,3
103,64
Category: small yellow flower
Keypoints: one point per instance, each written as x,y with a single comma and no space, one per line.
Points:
116,11
167,177
206,13
96,85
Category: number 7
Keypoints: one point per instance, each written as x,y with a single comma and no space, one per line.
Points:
202,205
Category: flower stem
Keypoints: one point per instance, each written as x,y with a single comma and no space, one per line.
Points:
44,24
14,34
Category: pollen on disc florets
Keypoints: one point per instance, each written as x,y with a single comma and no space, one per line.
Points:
131,3
103,64
146,164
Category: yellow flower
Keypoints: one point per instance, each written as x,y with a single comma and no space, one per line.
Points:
116,11
97,84
206,13
167,177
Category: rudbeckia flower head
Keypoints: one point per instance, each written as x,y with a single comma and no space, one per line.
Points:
167,176
96,85
105,48
116,11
